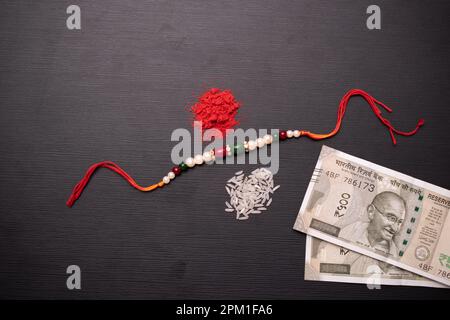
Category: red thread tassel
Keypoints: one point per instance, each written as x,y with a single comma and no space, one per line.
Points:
76,193
373,104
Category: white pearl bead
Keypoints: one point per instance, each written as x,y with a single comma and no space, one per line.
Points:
190,162
296,133
290,133
252,145
268,139
198,159
166,179
171,175
207,156
228,150
260,142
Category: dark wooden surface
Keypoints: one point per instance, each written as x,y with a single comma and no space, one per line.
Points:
116,89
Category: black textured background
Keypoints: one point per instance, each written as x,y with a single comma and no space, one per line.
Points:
115,91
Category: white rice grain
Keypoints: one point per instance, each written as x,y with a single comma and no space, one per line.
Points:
250,194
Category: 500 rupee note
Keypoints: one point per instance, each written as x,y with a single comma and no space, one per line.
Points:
380,213
325,261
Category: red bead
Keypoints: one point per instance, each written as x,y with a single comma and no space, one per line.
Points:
220,152
283,135
176,170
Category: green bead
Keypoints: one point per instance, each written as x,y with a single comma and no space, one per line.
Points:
238,149
183,166
276,137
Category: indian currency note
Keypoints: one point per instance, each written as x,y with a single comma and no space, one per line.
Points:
325,261
380,213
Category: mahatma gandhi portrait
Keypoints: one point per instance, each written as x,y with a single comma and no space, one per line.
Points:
385,213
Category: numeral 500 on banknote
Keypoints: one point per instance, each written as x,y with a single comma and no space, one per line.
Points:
380,213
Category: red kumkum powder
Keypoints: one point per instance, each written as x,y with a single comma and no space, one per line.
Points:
216,109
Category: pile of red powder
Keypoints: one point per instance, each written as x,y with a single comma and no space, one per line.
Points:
216,109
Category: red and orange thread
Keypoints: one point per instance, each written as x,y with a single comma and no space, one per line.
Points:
226,98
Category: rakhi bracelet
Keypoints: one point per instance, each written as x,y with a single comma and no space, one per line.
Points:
246,146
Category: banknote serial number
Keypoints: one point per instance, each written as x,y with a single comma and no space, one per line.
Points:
441,273
354,182
425,267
